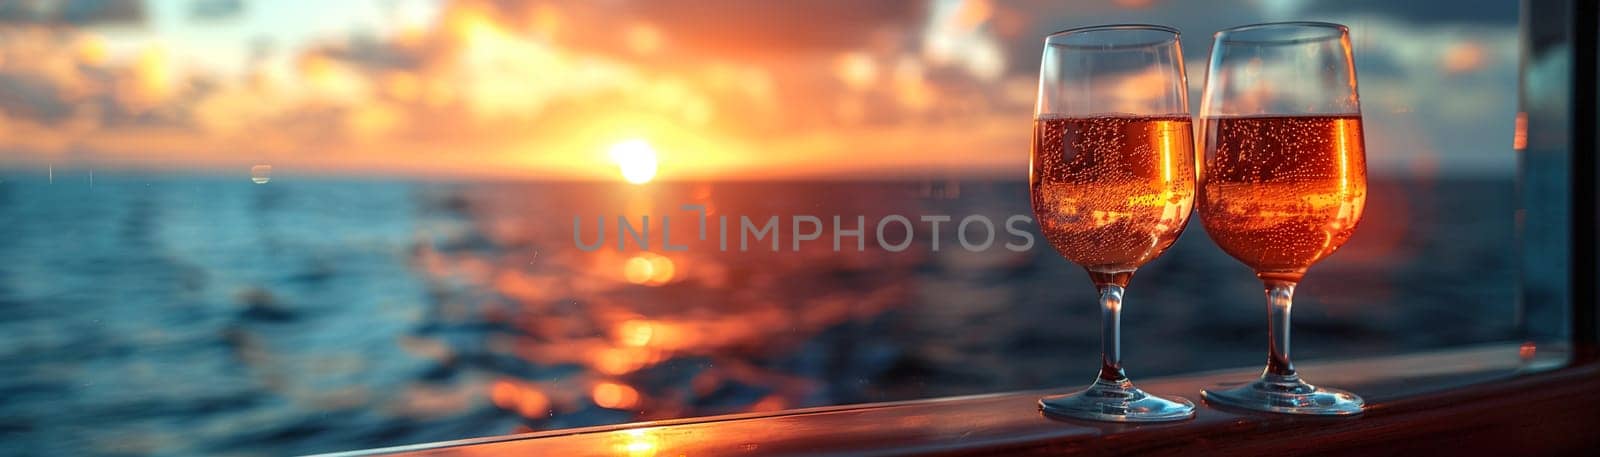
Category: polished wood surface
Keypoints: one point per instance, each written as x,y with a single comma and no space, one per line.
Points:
1479,401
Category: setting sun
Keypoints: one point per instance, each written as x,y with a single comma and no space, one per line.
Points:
636,159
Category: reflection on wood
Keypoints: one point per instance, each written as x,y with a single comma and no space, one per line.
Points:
1470,402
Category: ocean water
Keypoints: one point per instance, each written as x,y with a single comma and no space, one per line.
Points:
208,315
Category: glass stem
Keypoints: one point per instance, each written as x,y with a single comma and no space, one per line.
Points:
1280,298
1111,335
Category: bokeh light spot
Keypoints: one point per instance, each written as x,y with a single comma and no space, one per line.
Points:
635,332
612,395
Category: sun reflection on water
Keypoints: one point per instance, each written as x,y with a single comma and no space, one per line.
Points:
615,396
605,336
649,269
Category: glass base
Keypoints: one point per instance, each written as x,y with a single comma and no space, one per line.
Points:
1287,395
1117,402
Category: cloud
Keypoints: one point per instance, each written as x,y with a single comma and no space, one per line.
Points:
72,12
212,10
1499,13
767,30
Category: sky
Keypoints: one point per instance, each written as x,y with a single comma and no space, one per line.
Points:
711,89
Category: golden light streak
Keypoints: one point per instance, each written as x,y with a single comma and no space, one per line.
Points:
1166,153
1344,159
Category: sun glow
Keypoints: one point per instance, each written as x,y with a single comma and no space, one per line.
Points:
636,159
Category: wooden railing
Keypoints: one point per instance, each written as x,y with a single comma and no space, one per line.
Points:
1476,401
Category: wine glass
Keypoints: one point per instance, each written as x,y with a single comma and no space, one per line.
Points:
1112,183
1284,180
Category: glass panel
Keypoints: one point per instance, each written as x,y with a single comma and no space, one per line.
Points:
295,227
1544,184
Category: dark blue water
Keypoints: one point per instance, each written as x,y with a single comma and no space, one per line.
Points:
185,315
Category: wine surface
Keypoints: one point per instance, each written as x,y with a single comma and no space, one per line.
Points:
1281,193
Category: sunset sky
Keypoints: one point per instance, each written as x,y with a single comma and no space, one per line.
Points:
715,89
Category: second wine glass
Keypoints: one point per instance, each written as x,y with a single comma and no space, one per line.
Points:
1284,180
1112,183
